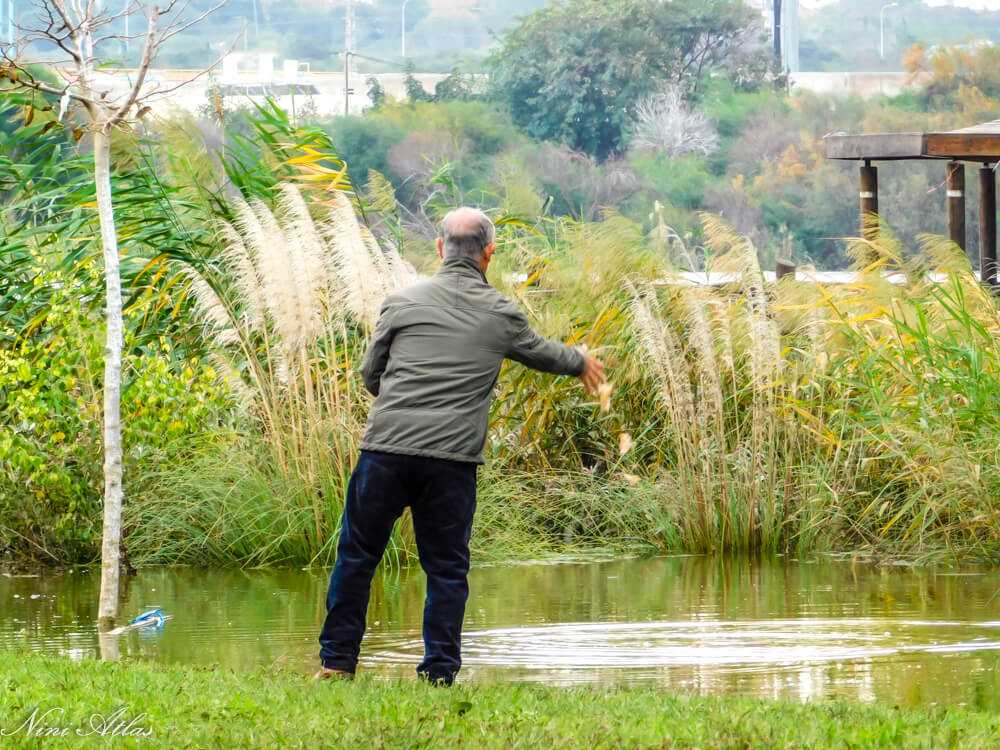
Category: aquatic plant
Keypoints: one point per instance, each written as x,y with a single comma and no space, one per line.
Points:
755,417
286,311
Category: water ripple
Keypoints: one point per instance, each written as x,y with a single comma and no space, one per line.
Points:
700,643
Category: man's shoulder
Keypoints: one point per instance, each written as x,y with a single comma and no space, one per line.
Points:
506,306
415,293
434,287
488,299
434,291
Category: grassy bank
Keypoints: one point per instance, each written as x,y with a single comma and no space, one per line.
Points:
187,707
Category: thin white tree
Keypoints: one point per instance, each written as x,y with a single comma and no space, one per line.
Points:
67,37
666,122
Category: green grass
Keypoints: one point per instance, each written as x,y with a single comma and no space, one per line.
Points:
205,708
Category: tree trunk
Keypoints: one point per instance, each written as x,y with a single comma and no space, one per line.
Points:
113,492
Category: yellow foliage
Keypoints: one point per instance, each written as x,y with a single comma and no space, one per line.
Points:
974,104
915,59
789,167
945,65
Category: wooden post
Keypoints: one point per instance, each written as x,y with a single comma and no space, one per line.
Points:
988,225
956,203
869,199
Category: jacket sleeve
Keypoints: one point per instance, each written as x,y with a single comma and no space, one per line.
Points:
377,357
540,353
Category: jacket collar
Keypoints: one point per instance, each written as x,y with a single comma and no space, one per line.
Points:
463,267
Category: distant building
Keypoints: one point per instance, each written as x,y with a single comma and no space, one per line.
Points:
254,75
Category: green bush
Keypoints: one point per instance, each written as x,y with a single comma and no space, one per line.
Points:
486,129
680,181
51,480
729,108
364,143
413,132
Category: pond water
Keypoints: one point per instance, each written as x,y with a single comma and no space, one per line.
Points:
804,630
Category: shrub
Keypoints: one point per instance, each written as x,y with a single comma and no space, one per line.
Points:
50,424
364,143
667,124
681,181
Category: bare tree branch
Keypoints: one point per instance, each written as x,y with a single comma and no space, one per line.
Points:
118,38
169,8
72,30
147,58
666,123
130,10
174,31
26,80
159,93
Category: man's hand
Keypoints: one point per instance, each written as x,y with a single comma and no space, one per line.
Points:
593,373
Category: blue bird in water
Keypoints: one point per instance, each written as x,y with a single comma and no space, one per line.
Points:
153,618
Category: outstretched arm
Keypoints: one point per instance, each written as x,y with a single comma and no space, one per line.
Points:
545,355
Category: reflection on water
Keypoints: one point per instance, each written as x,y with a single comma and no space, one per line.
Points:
803,630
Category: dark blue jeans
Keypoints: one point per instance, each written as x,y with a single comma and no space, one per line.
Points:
442,499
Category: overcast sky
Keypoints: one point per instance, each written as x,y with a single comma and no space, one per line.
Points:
987,4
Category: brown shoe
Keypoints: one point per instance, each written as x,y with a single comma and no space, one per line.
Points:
325,673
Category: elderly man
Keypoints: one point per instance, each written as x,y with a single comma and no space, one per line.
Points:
432,366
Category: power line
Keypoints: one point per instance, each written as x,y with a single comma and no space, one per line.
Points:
379,60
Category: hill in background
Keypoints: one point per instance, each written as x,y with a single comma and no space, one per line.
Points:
844,35
441,34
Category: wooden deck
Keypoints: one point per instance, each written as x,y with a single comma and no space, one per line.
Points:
979,143
825,278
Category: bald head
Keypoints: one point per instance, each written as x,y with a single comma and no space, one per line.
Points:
466,233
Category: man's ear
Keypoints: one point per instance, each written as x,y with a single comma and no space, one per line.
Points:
440,247
488,253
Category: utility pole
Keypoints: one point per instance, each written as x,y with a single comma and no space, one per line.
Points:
7,21
127,16
403,31
349,42
347,83
881,28
785,34
777,36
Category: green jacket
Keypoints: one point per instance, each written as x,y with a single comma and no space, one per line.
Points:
434,361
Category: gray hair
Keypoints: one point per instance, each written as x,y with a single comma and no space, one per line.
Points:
466,233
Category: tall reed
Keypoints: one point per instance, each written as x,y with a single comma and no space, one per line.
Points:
787,417
286,312
918,363
731,451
